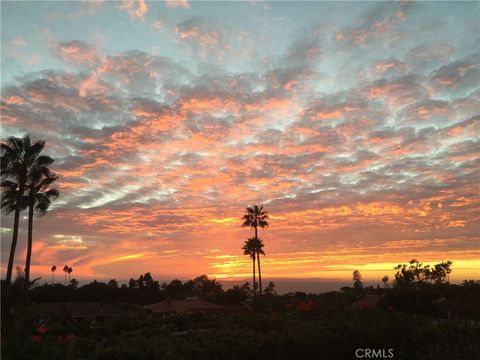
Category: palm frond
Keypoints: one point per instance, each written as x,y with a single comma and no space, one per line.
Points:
16,144
52,193
262,223
11,196
5,161
44,160
255,217
44,183
249,248
32,151
26,143
8,185
42,204
247,223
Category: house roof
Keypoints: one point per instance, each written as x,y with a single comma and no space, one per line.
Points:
367,302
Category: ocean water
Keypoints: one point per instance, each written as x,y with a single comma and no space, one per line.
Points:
283,286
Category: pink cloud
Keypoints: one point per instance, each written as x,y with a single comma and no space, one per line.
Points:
177,4
76,52
136,8
90,86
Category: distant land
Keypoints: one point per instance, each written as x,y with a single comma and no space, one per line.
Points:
282,285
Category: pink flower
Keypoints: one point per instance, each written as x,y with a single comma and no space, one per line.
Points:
36,338
69,338
41,330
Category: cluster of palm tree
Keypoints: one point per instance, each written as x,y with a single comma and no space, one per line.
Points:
255,217
26,181
67,270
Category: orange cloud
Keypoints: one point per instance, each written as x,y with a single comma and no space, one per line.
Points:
136,8
76,53
89,85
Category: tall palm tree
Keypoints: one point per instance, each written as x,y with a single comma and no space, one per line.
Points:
256,217
69,271
17,156
249,249
39,197
54,268
65,270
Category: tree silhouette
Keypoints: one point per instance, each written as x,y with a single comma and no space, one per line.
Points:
253,247
256,217
357,280
203,286
385,281
250,249
12,201
174,290
113,283
415,274
39,197
17,156
258,247
132,284
270,289
69,271
54,268
65,270
441,272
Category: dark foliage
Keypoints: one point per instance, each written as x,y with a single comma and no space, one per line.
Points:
411,321
295,334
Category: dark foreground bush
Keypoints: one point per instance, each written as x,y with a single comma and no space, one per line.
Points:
292,335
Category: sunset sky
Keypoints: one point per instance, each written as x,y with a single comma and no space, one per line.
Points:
356,125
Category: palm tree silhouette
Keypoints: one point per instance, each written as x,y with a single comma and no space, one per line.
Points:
256,217
12,200
54,268
249,249
385,281
39,198
69,271
65,270
18,155
258,246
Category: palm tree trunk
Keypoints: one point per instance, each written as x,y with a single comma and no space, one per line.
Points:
65,279
29,245
6,306
14,245
258,258
259,273
53,273
254,282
